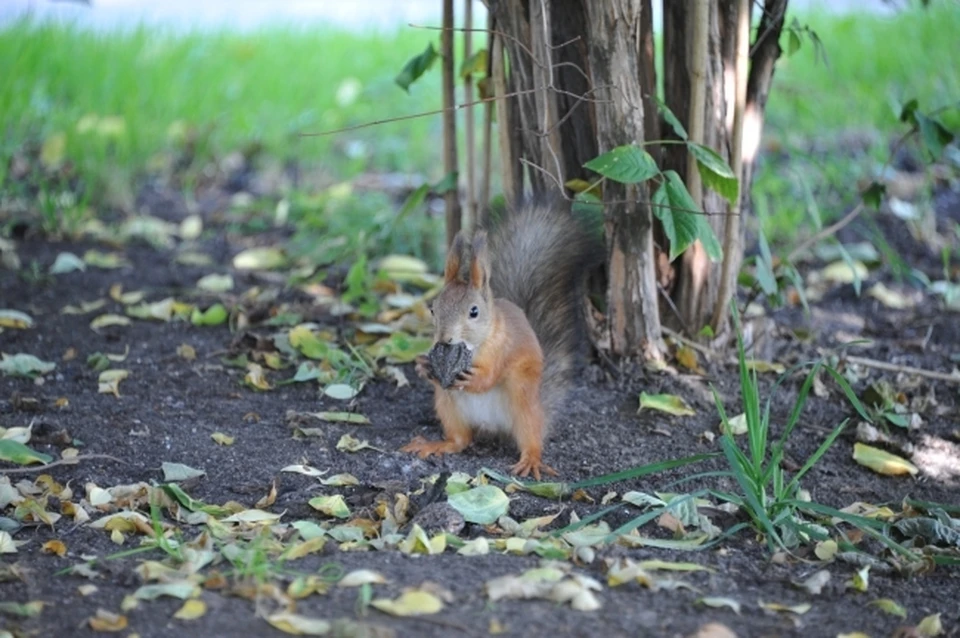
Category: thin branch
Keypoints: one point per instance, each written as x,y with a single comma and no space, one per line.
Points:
452,196
893,367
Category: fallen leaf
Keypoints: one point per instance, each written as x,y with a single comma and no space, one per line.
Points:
216,283
669,403
482,505
930,626
255,377
297,625
881,461
56,547
889,606
340,480
687,357
109,381
349,443
107,261
107,621
340,391
15,452
7,544
173,472
191,227
15,319
333,505
260,258
341,417
107,320
826,550
191,610
793,609
410,603
215,315
24,365
177,589
186,351
815,583
760,366
889,297
222,439
360,577
719,602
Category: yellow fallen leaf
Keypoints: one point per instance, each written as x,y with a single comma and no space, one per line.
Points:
411,603
881,461
826,550
191,610
306,547
333,505
106,320
87,590
222,438
297,625
255,377
669,403
186,351
109,381
54,547
359,577
930,626
107,621
793,609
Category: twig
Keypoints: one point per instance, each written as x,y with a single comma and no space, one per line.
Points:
73,461
702,349
483,201
893,367
826,232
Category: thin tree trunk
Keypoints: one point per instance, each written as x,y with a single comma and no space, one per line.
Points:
614,52
469,122
732,242
541,42
507,128
451,197
483,201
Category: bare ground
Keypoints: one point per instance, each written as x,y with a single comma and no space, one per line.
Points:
169,408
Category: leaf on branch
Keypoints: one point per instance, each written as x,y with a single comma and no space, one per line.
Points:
715,172
476,63
671,119
627,164
415,67
683,221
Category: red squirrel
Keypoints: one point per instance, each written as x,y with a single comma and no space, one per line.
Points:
514,297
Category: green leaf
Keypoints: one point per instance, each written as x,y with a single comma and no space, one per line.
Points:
715,172
67,262
669,403
212,316
682,220
628,164
447,183
874,195
671,119
173,472
482,505
16,452
24,365
793,43
764,271
935,137
475,64
415,67
340,391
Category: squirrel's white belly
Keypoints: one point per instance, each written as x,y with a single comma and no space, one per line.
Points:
487,411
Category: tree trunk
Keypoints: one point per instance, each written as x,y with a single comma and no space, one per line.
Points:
583,77
614,53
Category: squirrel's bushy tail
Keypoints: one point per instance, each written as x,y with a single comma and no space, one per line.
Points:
541,254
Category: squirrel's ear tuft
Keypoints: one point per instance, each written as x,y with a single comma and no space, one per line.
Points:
479,261
451,270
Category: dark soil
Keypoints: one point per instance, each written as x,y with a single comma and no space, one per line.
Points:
169,407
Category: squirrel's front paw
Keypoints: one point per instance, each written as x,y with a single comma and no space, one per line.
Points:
464,379
423,368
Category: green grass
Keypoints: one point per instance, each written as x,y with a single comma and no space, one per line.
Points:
873,63
226,90
266,87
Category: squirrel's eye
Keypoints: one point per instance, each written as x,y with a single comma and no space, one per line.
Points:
474,312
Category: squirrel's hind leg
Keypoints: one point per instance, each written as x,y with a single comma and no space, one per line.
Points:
457,434
528,431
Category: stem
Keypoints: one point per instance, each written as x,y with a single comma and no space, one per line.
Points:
484,197
471,218
452,196
731,229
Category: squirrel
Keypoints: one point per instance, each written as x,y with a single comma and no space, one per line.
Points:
514,297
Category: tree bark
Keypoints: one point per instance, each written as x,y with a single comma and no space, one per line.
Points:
614,54
451,197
